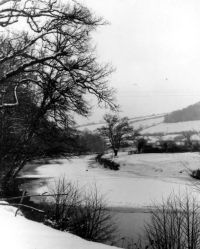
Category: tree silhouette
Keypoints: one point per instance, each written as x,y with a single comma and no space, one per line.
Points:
52,59
117,131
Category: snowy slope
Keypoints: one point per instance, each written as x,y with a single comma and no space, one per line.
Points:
20,233
153,125
173,127
138,122
146,122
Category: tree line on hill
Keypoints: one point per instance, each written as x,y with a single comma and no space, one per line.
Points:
189,113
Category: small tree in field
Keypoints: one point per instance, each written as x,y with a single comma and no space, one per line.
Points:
117,130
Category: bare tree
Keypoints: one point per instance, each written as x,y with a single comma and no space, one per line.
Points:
56,51
53,58
117,130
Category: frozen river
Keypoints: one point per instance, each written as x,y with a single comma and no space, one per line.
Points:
142,180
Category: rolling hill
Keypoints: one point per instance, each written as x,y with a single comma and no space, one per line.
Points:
137,122
186,119
189,113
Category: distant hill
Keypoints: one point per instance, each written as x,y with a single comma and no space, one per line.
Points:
189,113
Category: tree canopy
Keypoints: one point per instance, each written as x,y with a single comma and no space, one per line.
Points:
48,67
117,131
52,54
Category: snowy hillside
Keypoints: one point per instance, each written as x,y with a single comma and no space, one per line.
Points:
146,123
138,122
155,125
20,233
167,128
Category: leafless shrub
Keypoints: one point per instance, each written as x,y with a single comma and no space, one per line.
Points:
175,224
83,214
92,220
63,198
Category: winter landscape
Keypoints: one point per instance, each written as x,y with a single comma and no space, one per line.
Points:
99,124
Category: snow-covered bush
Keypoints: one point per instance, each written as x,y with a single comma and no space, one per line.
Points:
107,163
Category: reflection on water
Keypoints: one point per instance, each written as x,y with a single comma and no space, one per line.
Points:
130,225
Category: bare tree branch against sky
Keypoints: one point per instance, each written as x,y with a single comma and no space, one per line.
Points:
154,46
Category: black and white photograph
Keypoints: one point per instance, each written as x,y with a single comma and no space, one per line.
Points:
99,124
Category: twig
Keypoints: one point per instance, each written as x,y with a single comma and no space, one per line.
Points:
23,194
22,205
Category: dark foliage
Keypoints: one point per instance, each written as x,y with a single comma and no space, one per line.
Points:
168,146
90,142
141,144
195,174
189,113
48,139
107,163
51,140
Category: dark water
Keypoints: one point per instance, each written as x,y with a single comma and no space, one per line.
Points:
130,222
130,226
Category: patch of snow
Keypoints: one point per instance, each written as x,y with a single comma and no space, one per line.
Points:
146,122
173,127
195,137
20,233
138,122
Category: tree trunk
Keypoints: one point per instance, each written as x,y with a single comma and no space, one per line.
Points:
115,152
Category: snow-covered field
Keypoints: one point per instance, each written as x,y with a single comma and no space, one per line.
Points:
141,180
138,122
173,127
153,124
145,123
20,233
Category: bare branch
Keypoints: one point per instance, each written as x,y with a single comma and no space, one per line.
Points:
11,104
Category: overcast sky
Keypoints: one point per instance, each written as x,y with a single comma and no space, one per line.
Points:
155,47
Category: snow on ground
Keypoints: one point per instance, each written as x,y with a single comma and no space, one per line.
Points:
173,127
141,180
20,233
